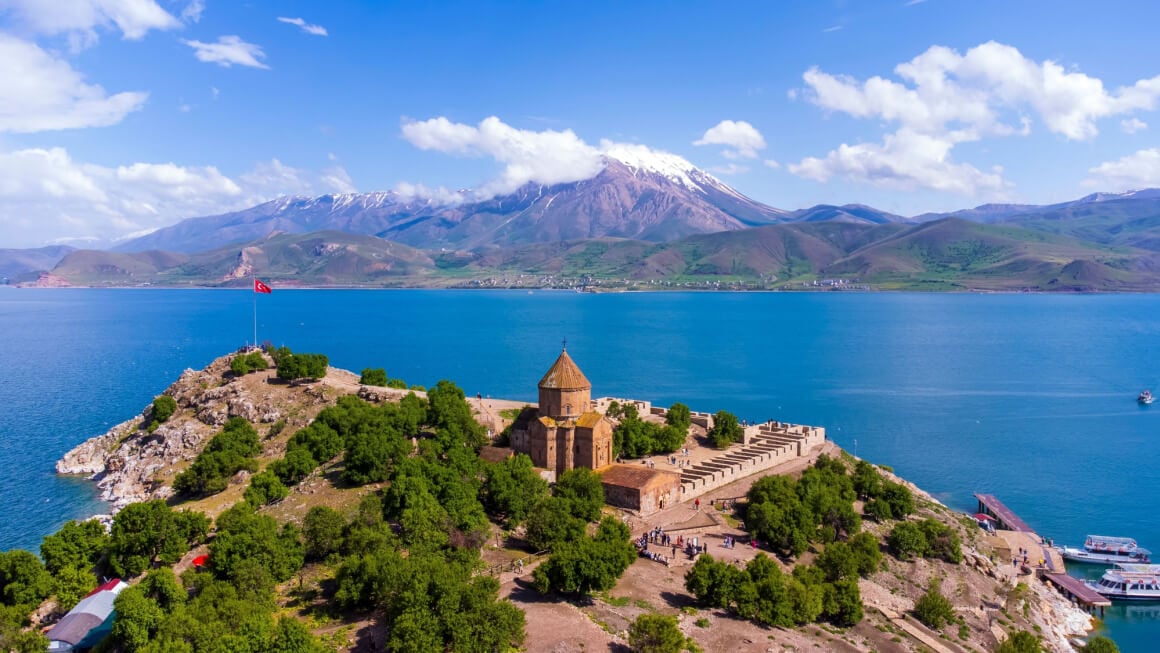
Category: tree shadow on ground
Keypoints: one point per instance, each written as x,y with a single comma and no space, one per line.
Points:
678,600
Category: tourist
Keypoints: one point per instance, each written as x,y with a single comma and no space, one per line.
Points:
697,504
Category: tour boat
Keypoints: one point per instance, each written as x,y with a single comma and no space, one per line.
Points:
1145,397
1105,550
1129,582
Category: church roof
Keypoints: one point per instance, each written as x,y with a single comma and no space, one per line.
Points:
565,375
589,420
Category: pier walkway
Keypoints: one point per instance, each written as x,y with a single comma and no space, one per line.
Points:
989,504
1076,590
1020,536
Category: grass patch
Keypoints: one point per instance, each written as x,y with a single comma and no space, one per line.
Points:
702,623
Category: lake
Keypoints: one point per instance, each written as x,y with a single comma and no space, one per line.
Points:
1029,397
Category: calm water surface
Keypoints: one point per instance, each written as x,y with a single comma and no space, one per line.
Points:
1030,397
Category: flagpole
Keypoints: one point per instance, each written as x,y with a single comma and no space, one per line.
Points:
254,296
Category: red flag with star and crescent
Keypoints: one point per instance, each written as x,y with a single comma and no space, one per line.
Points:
261,287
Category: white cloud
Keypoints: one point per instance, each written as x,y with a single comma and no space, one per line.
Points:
544,157
1138,170
39,92
46,196
193,10
906,160
741,138
729,169
772,164
316,30
946,98
832,28
440,195
229,50
1133,125
80,18
215,92
185,108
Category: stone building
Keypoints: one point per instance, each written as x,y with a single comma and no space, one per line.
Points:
641,488
565,431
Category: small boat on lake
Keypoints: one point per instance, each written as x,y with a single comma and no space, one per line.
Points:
1129,582
1145,398
1101,549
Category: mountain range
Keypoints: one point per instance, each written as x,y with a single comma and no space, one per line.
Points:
645,219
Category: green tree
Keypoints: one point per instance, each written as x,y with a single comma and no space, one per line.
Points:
78,544
679,417
866,553
373,376
899,498
163,408
71,584
148,531
1100,644
713,583
162,586
231,450
726,430
1021,642
292,636
372,452
322,529
907,540
322,441
839,562
512,488
656,633
296,465
843,601
23,579
244,536
551,522
582,489
265,488
934,609
449,413
942,541
589,564
138,619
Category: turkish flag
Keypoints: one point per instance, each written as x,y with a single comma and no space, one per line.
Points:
261,287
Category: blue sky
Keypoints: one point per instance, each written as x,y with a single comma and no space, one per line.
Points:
120,116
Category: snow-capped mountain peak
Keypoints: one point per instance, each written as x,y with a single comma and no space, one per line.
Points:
640,158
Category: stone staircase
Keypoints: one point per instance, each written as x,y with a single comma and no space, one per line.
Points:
762,446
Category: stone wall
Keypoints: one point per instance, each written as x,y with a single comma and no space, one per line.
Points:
765,445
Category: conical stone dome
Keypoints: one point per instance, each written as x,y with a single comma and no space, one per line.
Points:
565,375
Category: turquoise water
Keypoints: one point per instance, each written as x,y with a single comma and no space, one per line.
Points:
1030,397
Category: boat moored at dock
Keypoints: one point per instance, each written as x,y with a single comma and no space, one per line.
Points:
1101,549
1129,582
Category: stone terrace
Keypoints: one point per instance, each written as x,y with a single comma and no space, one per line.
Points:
763,446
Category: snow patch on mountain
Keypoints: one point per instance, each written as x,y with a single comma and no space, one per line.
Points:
640,158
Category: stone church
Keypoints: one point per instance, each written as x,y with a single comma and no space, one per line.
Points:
565,431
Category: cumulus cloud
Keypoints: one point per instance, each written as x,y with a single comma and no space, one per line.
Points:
193,10
729,169
227,51
945,98
316,30
39,92
1138,170
1133,125
81,18
544,157
905,160
47,196
741,139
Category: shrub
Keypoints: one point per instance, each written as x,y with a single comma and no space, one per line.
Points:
265,488
373,376
243,364
656,633
934,609
1021,642
163,408
907,540
228,452
726,430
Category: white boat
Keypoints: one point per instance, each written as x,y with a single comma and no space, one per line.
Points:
1129,582
1101,549
1145,397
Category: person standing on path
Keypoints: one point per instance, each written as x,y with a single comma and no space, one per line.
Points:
697,504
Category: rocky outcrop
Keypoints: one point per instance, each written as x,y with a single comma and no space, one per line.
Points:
127,461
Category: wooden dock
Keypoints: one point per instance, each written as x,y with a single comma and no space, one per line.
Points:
1076,590
1051,572
1006,518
